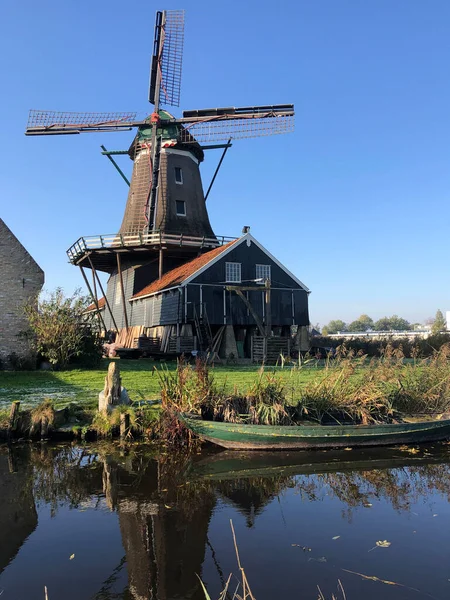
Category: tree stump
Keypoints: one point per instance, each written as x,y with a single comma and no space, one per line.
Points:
113,393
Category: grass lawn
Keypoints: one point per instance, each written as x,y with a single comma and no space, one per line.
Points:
138,376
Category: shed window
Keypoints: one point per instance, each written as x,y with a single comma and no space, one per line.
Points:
233,272
262,273
178,175
181,208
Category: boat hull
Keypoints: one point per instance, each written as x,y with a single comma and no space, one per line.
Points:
235,436
234,464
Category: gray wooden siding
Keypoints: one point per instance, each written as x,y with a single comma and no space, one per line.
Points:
113,295
160,309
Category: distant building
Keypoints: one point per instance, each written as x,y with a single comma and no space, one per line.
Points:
21,279
378,335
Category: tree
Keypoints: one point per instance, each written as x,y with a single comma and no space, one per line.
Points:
439,323
399,324
395,323
59,330
363,323
334,327
382,324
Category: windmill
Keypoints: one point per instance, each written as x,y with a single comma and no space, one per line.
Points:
165,213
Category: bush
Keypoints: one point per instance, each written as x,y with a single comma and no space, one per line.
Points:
59,332
411,348
20,363
91,350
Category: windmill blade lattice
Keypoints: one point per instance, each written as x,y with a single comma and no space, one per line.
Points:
237,123
48,121
172,58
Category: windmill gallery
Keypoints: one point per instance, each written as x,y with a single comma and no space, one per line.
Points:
174,285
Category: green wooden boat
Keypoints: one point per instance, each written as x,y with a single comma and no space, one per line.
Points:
236,436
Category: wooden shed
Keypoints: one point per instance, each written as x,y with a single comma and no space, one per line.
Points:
236,300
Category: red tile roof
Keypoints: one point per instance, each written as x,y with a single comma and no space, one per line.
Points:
180,274
101,304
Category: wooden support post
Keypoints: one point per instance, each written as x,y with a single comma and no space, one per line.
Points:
13,418
124,425
119,269
268,309
252,311
92,296
104,295
44,427
161,261
94,285
12,461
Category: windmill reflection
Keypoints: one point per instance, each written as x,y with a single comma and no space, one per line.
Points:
163,527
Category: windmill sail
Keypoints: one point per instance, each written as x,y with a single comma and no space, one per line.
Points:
167,58
42,122
215,124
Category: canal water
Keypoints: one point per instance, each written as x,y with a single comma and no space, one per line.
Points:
102,522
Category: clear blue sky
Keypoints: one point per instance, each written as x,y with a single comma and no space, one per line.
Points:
355,202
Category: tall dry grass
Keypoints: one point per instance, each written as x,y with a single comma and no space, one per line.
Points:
349,388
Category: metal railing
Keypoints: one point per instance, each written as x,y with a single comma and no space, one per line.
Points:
136,240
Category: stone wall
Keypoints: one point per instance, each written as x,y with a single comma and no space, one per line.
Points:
21,279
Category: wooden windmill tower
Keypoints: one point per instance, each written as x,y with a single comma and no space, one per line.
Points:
166,222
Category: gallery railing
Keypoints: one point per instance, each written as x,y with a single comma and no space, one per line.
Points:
140,240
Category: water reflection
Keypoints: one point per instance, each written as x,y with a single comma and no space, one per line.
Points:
18,517
164,504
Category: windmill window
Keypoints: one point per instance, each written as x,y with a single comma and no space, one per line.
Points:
262,273
233,272
178,175
181,208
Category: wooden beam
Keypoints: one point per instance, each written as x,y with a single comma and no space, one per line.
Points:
161,263
119,170
88,285
268,308
104,295
245,288
252,312
122,291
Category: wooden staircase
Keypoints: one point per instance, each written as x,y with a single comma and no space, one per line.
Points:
203,328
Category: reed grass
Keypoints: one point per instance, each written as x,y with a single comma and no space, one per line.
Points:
350,388
44,412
